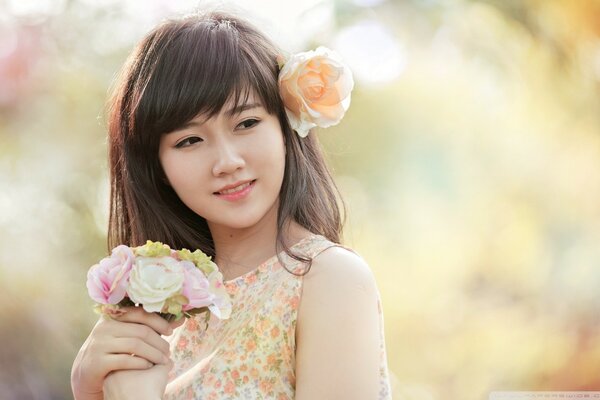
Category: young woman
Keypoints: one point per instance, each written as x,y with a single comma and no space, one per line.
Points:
210,148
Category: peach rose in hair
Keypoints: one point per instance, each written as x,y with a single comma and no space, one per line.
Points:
315,88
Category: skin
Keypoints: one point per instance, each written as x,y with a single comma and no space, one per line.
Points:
337,329
105,357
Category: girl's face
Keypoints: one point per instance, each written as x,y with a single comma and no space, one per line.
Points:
235,147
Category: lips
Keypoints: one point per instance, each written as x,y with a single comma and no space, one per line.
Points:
235,187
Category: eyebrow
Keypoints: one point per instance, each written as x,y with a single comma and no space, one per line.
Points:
241,108
229,113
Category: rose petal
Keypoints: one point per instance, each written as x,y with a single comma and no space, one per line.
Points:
315,87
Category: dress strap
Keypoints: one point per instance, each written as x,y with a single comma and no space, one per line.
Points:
311,247
318,244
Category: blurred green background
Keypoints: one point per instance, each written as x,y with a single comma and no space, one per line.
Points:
469,159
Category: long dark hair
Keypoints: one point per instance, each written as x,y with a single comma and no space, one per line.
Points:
184,67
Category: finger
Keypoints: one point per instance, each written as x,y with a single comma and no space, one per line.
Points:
153,320
176,324
141,316
114,362
167,366
139,348
106,332
141,332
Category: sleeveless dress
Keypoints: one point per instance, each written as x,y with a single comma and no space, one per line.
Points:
251,355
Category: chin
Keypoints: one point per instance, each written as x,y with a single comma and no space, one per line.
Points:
243,217
238,222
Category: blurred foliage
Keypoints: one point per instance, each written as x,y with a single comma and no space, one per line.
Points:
469,159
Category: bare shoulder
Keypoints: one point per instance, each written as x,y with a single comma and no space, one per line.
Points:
336,270
339,281
337,331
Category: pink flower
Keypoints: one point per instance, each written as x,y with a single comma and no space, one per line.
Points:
221,305
195,287
107,280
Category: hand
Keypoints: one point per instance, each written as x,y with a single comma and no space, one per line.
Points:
110,345
149,384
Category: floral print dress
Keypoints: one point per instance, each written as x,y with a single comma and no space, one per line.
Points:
251,355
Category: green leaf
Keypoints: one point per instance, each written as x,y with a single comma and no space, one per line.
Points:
152,249
199,258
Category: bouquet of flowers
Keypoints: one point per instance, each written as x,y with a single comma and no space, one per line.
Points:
173,283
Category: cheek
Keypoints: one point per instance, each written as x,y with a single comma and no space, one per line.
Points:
268,147
274,158
180,172
170,170
278,165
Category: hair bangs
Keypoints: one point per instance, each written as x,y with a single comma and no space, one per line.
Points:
202,67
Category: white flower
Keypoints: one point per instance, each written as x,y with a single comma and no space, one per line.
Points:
153,280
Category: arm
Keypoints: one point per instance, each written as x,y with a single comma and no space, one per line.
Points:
337,351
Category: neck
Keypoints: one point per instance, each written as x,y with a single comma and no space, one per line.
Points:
244,247
238,251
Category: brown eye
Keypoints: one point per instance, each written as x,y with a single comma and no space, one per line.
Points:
180,144
249,123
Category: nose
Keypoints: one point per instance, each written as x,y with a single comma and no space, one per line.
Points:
227,158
